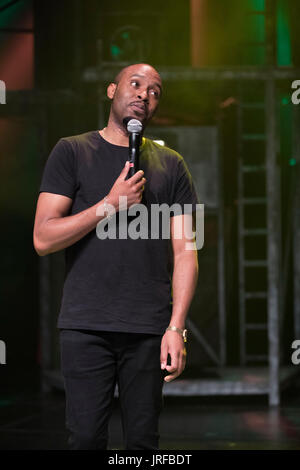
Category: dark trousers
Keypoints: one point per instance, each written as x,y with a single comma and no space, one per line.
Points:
92,363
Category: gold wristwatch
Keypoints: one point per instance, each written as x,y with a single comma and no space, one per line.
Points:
183,333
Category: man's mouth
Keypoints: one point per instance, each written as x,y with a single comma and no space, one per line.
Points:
138,106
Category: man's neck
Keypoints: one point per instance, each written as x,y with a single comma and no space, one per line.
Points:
115,135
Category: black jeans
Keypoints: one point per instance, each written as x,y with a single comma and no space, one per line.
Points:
92,363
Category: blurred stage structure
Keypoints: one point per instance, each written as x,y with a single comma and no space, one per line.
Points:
253,266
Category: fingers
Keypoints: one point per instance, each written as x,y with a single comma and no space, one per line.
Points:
125,170
177,365
175,348
136,177
173,367
140,185
137,180
163,355
138,189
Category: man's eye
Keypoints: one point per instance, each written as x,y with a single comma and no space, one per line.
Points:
155,93
135,83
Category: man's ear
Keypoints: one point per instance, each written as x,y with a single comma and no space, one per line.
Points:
111,90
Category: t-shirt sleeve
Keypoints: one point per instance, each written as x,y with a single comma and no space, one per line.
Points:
184,190
59,176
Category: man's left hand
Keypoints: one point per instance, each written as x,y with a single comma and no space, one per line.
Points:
172,343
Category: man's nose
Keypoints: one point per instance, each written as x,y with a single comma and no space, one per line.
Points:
143,95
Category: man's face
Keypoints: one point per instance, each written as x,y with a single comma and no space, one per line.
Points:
136,95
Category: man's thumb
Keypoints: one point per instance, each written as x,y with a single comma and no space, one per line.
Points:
125,170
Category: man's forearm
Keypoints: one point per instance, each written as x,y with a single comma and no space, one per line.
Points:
185,276
59,233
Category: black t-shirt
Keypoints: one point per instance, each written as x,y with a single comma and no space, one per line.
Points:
116,284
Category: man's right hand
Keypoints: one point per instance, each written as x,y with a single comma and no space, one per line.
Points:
132,188
55,229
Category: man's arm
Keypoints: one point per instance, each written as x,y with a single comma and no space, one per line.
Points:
184,281
55,230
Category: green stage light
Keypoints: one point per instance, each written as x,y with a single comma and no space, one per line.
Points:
115,51
11,12
284,53
128,44
285,100
257,5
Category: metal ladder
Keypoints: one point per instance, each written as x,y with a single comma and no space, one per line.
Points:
258,231
246,233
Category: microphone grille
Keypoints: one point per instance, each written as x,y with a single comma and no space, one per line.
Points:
134,126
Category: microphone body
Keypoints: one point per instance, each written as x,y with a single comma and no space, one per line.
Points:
134,152
134,128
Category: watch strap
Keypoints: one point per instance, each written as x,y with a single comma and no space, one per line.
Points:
183,333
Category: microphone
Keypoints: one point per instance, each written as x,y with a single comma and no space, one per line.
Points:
134,128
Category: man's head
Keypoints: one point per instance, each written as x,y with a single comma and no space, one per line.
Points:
135,93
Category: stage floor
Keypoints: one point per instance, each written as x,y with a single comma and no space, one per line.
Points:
33,421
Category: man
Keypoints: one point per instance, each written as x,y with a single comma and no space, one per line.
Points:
116,301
